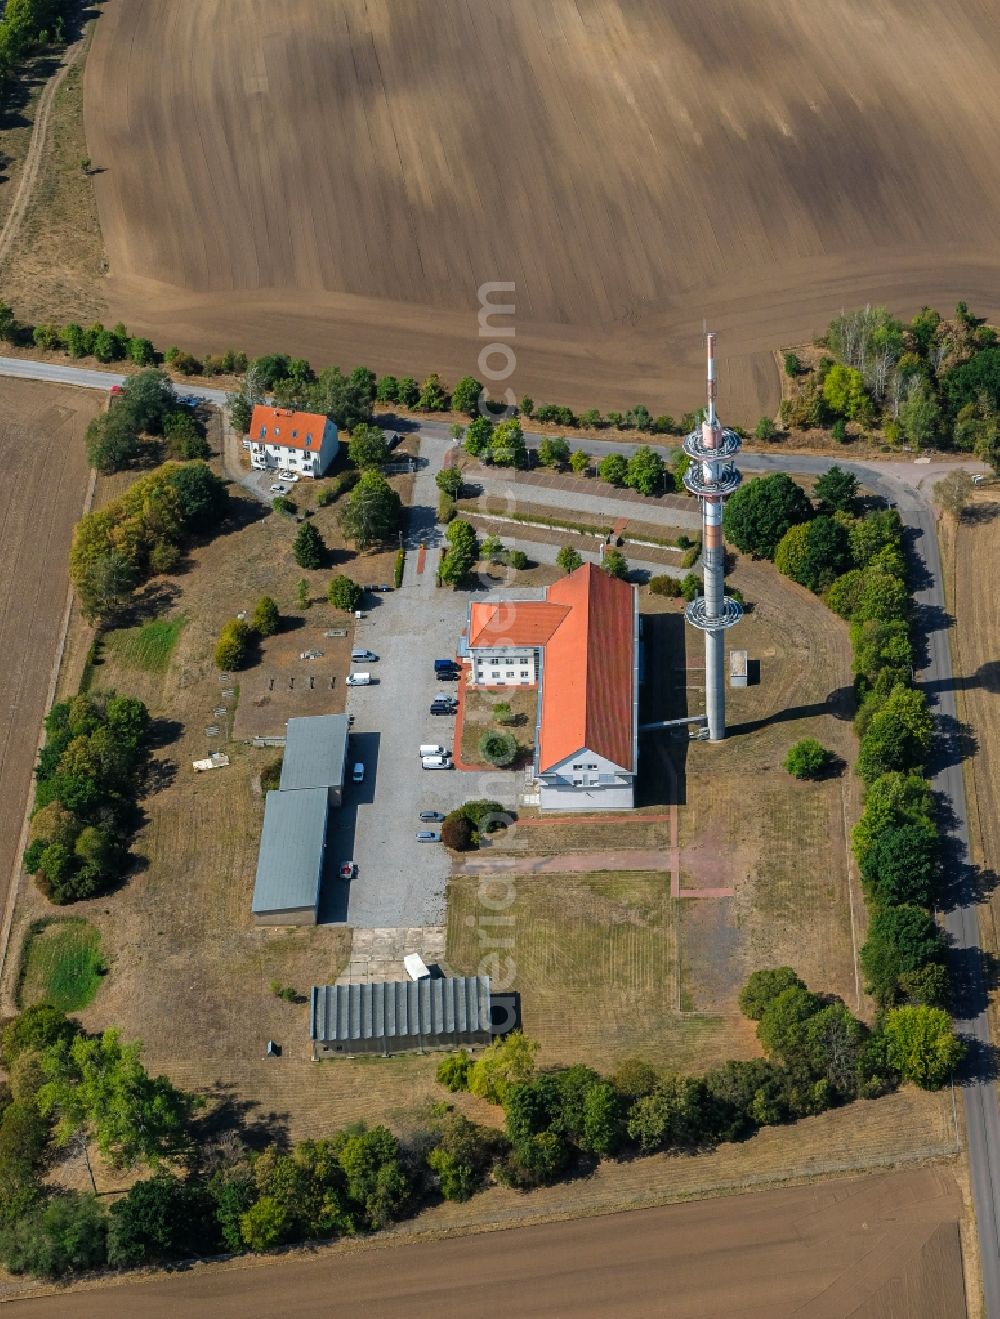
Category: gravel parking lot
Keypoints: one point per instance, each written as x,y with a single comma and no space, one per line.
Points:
402,882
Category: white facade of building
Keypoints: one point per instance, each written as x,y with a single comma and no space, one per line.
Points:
505,668
586,781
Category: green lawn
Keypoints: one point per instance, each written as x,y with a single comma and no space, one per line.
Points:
61,964
148,647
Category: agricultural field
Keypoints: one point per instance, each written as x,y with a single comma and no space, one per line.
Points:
975,651
760,168
41,496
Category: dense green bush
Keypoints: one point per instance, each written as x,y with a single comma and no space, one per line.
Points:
266,619
233,645
808,759
344,593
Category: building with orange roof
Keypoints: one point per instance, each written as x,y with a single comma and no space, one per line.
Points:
580,646
282,439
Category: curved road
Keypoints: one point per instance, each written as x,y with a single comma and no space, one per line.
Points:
904,485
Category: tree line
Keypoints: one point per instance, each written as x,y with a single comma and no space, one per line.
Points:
26,26
857,565
930,381
208,1197
147,406
87,780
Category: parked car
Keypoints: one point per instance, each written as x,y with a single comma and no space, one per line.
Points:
383,588
444,707
359,679
392,442
245,443
348,870
289,476
431,817
428,836
359,772
435,762
279,489
432,749
445,665
359,654
446,675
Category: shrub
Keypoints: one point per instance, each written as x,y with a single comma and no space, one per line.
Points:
270,775
487,816
839,431
517,559
664,585
613,469
465,395
457,832
615,564
691,555
763,987
645,472
453,1071
921,1045
397,569
266,619
232,646
690,586
792,366
345,594
285,506
498,749
807,759
449,481
447,509
765,429
579,462
553,451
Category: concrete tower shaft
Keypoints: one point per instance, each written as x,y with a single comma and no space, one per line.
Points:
713,476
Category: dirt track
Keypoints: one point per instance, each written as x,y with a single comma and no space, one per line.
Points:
41,496
881,1248
339,180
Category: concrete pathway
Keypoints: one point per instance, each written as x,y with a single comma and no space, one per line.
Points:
569,863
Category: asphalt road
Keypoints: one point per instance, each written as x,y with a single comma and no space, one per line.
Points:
908,486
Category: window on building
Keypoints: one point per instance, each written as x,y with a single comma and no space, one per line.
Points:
309,440
263,432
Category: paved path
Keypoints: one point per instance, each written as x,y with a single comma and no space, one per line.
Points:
568,863
908,485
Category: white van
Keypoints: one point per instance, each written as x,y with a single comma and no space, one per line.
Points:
432,749
359,654
435,762
363,679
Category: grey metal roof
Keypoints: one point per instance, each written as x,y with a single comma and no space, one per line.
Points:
315,751
292,842
387,1009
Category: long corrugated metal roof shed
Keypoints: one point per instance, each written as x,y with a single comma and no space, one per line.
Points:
290,860
388,1009
315,751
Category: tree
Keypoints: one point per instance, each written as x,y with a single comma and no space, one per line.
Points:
372,511
462,1157
615,564
433,395
409,392
844,393
919,414
302,593
579,462
763,986
760,512
65,1235
453,1071
765,429
148,397
465,396
185,438
898,737
922,1046
569,559
367,446
953,493
780,1028
35,1029
266,619
457,832
308,548
491,549
872,535
457,561
976,381
346,400
791,364
387,389
613,469
232,646
837,489
201,496
498,749
553,451
843,593
814,553
160,1219
507,447
449,481
477,437
900,939
375,1177
644,471
807,759
881,597
97,1082
265,1224
891,800
900,865
112,442
105,584
345,594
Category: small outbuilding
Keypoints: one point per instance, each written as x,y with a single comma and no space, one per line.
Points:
290,860
316,755
399,1016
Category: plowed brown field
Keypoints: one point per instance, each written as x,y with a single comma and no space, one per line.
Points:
339,179
41,496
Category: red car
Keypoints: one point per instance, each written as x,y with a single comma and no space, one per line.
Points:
348,870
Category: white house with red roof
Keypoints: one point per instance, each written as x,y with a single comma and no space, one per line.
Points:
285,440
580,645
